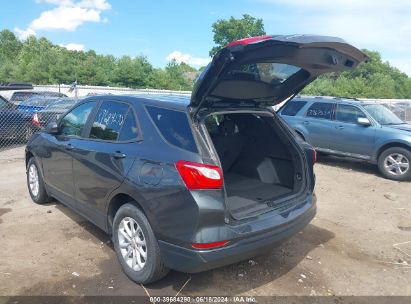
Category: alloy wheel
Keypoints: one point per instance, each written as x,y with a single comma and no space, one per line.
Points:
396,164
34,180
132,244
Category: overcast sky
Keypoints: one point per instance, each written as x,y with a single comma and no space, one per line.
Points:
162,30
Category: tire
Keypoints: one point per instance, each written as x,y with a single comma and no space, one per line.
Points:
395,163
34,176
127,251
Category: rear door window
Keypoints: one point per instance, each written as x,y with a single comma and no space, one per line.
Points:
293,107
130,130
348,113
109,120
174,127
321,110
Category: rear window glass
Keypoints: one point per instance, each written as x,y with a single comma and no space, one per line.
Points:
293,107
174,127
321,110
37,102
271,73
109,120
20,96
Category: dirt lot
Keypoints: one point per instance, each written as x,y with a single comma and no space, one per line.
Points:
346,250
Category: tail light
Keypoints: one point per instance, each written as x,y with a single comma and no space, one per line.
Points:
200,176
35,120
209,245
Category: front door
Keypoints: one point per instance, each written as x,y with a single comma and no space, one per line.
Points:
349,137
58,157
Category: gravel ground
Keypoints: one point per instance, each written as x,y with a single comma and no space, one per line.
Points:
346,250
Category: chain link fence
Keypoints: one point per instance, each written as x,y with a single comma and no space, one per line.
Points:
400,107
25,112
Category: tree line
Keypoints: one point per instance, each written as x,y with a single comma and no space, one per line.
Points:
38,61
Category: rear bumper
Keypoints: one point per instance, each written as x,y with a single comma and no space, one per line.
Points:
191,261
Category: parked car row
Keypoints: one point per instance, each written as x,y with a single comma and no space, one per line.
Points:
18,120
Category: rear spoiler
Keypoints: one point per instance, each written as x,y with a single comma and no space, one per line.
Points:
15,86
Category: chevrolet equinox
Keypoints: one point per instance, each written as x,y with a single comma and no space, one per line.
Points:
192,183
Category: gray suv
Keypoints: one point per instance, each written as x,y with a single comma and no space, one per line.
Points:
353,128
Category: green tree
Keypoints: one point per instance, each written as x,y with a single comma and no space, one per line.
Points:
374,79
10,46
131,72
226,31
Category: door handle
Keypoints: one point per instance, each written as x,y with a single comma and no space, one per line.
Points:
69,147
118,155
340,127
306,122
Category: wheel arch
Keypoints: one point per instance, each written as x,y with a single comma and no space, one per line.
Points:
391,145
115,204
29,155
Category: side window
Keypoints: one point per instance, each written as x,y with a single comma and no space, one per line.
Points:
293,107
3,103
348,114
129,131
109,120
73,122
174,127
321,110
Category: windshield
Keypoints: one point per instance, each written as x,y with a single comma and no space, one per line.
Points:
383,115
63,104
37,102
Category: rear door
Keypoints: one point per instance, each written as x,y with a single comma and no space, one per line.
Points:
101,162
266,70
317,124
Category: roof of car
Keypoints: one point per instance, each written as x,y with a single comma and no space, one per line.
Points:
331,99
175,102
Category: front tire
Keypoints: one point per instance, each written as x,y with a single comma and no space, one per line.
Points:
35,183
136,246
395,163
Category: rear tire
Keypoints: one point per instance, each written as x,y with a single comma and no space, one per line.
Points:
136,246
35,183
395,163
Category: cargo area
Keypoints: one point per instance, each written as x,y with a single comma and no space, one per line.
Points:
261,166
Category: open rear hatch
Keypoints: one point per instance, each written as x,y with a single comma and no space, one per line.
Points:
267,70
262,164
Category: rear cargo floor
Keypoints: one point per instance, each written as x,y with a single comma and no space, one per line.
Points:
247,195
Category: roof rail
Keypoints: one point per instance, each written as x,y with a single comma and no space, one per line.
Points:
343,97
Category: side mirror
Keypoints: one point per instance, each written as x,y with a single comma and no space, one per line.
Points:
52,128
362,121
